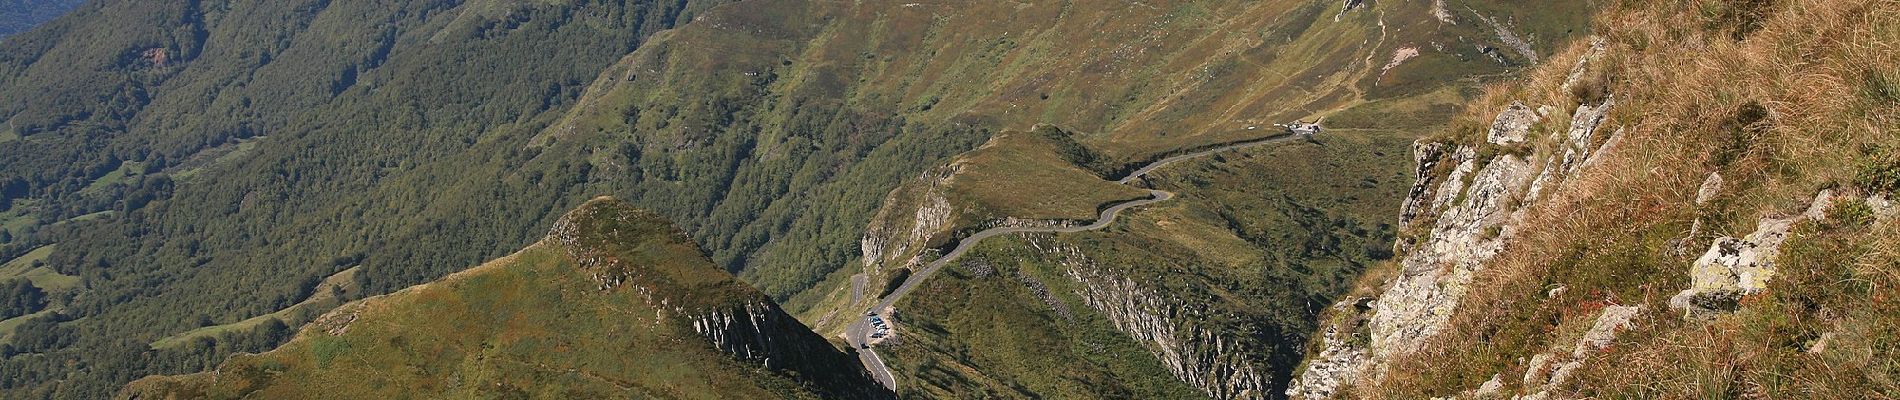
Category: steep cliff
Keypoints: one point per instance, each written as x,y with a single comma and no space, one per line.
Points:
1172,328
615,303
1461,220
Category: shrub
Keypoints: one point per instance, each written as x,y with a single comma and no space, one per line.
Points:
1880,172
1850,213
896,281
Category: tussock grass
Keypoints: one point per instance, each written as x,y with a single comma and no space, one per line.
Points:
1782,113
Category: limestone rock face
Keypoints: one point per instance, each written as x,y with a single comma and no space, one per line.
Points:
1435,275
1191,351
1418,199
1512,124
892,235
1736,267
1583,128
759,331
1597,44
1575,148
1473,211
1336,365
1473,222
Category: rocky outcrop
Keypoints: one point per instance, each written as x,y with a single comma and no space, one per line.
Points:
758,330
1577,146
1597,44
1216,364
1711,186
1736,267
337,322
898,233
1549,370
1510,39
604,235
1512,124
1457,220
1418,200
1882,207
900,236
1339,362
1435,274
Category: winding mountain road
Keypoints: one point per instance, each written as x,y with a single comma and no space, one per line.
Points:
858,334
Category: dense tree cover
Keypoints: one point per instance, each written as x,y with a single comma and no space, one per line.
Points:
19,297
19,15
247,150
258,129
26,378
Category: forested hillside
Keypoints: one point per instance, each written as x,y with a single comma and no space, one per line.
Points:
20,15
200,163
186,180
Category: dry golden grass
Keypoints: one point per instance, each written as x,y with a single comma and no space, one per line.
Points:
1795,106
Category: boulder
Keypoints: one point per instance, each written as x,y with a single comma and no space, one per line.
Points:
1733,268
1512,125
1710,187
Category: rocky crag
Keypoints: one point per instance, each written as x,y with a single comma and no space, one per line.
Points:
1465,207
1170,326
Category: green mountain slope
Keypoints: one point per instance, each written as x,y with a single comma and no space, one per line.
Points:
202,164
1209,294
614,303
1218,287
248,131
20,15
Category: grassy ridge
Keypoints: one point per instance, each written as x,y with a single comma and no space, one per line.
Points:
329,293
1043,174
487,332
537,323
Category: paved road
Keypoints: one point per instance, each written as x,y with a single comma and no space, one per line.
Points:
858,333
